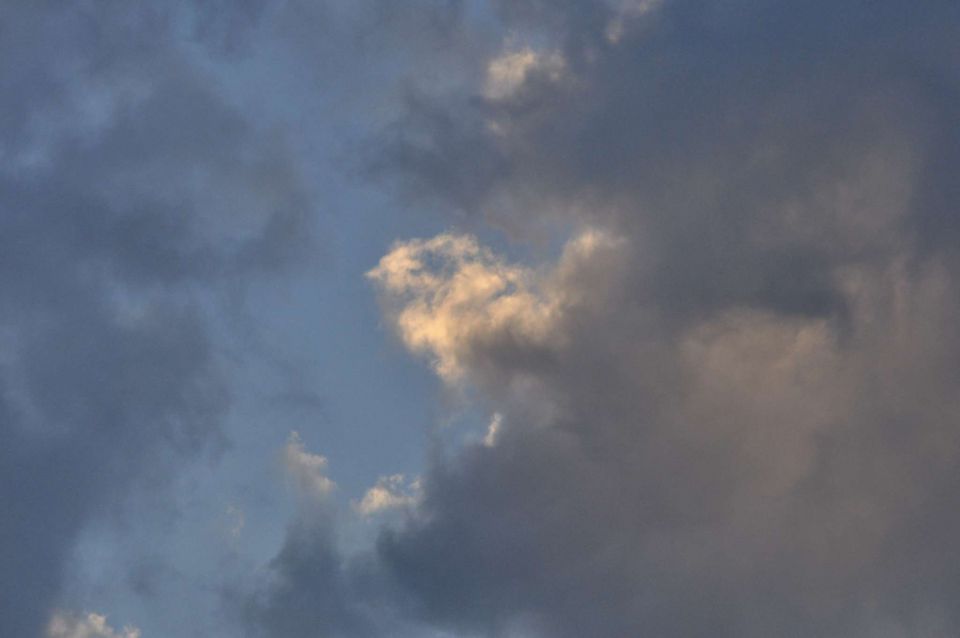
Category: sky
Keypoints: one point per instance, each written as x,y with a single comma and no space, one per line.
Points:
479,318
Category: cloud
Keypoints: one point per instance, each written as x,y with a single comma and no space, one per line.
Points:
728,409
509,71
711,467
448,294
306,468
311,585
493,430
390,492
134,198
739,423
86,626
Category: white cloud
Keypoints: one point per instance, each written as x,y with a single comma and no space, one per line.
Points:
448,295
390,492
65,625
507,72
307,469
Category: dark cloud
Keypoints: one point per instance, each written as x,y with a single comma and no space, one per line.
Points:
131,194
313,589
740,419
747,428
704,127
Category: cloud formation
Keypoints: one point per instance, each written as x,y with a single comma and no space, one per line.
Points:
449,294
745,423
133,197
760,462
390,492
728,408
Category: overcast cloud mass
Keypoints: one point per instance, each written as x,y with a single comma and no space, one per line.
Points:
480,318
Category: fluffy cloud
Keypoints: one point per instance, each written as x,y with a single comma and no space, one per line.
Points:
390,492
448,294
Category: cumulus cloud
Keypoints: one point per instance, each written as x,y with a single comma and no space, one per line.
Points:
706,468
473,294
448,294
86,626
740,423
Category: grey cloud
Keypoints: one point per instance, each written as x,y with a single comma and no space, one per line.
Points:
131,192
749,428
313,589
756,475
705,127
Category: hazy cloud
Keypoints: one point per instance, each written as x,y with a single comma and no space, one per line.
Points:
88,626
132,196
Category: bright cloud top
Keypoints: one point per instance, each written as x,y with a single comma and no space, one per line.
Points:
448,294
390,492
